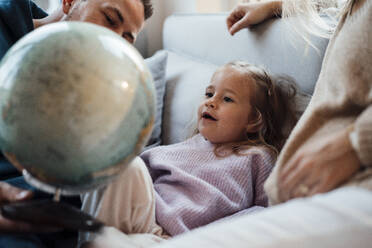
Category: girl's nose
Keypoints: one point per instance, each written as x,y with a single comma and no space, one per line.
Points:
210,103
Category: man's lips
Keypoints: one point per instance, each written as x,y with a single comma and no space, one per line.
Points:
208,116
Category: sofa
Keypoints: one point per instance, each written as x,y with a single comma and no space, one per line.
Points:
197,44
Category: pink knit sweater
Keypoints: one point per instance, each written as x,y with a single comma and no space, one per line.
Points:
194,187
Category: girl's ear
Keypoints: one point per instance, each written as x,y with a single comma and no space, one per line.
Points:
255,125
66,6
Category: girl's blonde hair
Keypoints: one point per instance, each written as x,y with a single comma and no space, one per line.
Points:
275,111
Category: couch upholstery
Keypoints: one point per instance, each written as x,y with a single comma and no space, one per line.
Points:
198,43
341,218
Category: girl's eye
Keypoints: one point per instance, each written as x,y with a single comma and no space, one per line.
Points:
208,95
228,99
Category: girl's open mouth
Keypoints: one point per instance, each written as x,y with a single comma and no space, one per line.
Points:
208,116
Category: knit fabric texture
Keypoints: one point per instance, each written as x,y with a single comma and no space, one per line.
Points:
342,98
194,187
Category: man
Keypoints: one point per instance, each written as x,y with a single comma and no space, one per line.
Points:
19,17
125,17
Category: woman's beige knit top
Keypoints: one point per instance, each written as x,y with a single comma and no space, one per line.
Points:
342,97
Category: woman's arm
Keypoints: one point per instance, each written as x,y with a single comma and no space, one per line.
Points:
361,137
248,14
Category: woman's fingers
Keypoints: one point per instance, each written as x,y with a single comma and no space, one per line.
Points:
289,182
242,23
289,167
231,20
318,167
297,178
238,18
305,188
248,14
326,183
234,18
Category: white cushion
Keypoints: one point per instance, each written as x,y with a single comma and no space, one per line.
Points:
186,83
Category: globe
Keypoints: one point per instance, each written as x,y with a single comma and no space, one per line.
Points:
76,106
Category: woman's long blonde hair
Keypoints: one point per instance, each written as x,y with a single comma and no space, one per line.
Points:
314,17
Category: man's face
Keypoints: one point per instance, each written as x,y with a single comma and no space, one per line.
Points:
124,17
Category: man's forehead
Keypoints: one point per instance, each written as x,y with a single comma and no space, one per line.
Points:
122,2
134,7
131,10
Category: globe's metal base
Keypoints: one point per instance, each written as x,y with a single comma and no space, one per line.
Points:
51,214
51,189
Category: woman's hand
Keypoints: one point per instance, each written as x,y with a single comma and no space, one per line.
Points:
318,167
248,14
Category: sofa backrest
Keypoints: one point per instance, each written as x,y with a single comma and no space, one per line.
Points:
197,44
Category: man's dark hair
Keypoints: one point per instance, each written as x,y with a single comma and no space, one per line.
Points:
149,10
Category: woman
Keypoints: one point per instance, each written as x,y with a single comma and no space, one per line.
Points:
331,145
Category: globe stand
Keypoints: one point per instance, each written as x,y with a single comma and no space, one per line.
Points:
50,212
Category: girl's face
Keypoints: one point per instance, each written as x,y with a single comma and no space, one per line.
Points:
224,114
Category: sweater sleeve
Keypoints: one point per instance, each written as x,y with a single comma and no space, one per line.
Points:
362,142
263,166
147,157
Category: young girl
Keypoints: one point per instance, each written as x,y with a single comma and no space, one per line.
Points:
217,173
